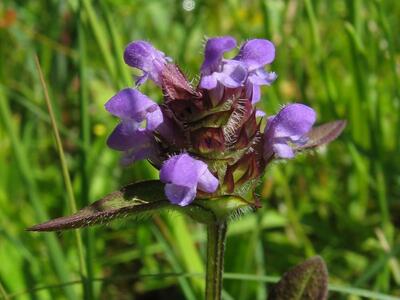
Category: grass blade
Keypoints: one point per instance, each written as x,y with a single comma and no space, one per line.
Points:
64,167
55,252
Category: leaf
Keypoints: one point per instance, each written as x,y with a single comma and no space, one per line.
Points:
307,281
135,199
139,199
323,134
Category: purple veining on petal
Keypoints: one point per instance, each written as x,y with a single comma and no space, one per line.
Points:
290,125
183,175
214,51
142,55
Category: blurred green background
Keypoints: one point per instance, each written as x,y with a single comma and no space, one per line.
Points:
340,57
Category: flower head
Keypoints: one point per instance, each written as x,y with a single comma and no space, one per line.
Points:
207,141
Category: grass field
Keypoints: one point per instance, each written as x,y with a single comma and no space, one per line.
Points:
343,203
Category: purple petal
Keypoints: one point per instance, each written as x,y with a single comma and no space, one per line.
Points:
290,125
154,119
134,155
144,56
293,120
256,53
214,50
182,174
283,150
182,170
137,143
253,92
233,74
123,136
130,104
209,82
207,182
180,195
260,77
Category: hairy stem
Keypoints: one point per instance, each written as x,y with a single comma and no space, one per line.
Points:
216,235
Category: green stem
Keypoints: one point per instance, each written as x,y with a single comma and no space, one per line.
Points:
216,235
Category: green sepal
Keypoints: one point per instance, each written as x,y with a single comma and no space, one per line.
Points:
218,209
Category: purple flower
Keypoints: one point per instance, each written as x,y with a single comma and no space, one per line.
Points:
215,69
289,126
183,175
255,54
214,51
142,146
142,55
132,107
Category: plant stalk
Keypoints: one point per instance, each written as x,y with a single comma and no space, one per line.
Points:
216,236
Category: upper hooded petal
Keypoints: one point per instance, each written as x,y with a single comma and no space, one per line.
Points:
142,55
214,51
131,104
256,53
294,120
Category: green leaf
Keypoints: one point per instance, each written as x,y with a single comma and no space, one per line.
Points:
141,198
135,199
307,281
323,134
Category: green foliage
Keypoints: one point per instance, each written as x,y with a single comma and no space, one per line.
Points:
340,57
